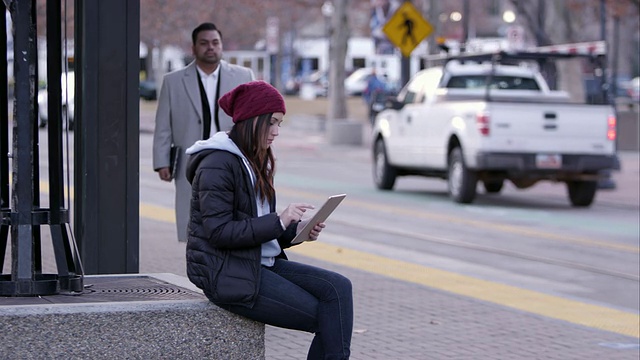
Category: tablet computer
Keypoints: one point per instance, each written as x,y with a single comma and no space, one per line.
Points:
320,216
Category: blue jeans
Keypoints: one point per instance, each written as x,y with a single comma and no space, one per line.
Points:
303,297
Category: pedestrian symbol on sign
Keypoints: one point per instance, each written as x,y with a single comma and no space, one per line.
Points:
407,28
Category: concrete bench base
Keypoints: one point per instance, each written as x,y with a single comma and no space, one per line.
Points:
188,328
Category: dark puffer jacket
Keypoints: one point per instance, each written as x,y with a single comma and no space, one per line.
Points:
225,232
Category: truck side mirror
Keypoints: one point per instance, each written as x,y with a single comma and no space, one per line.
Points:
392,103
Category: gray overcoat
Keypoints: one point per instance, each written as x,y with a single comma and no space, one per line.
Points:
179,121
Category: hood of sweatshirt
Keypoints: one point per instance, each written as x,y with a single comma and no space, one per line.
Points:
201,148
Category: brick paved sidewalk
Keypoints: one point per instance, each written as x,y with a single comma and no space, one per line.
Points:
396,320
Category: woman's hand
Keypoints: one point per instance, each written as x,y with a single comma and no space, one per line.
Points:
315,232
293,213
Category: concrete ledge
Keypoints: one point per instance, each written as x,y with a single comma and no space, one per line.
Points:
344,132
156,329
308,123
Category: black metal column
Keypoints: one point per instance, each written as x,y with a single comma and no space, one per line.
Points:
106,177
64,246
22,244
4,135
26,278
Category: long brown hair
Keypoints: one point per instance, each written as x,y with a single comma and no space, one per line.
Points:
250,139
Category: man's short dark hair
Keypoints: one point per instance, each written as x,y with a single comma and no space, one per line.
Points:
204,27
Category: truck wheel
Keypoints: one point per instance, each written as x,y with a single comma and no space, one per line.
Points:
462,181
384,175
493,187
582,193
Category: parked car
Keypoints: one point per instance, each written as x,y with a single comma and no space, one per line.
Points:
633,89
317,82
292,86
148,90
68,101
355,83
622,84
320,82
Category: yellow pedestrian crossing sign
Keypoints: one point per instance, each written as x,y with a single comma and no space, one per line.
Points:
407,28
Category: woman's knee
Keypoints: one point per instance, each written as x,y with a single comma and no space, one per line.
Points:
342,284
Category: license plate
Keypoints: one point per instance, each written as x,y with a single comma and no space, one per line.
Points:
548,161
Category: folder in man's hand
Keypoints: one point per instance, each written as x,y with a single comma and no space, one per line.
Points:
174,157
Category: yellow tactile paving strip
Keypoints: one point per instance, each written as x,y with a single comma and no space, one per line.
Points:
576,312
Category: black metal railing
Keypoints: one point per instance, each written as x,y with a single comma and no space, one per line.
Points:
22,215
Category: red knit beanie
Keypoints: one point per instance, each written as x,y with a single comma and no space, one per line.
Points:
252,99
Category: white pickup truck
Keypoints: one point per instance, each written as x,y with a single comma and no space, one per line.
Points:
476,122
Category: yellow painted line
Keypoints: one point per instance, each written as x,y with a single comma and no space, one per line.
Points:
576,312
152,212
158,213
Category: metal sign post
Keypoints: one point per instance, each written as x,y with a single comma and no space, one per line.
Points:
406,29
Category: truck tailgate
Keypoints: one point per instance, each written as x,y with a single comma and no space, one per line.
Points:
561,128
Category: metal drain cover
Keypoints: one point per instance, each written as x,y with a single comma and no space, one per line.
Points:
99,289
141,288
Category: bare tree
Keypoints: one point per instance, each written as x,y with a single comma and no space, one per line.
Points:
569,21
241,22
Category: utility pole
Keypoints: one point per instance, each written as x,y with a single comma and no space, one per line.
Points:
603,37
607,182
338,39
466,14
433,12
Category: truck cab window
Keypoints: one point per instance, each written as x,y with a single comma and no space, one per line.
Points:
497,82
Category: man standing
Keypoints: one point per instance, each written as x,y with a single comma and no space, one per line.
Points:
188,111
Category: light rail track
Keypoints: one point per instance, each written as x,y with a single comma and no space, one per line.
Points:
490,249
